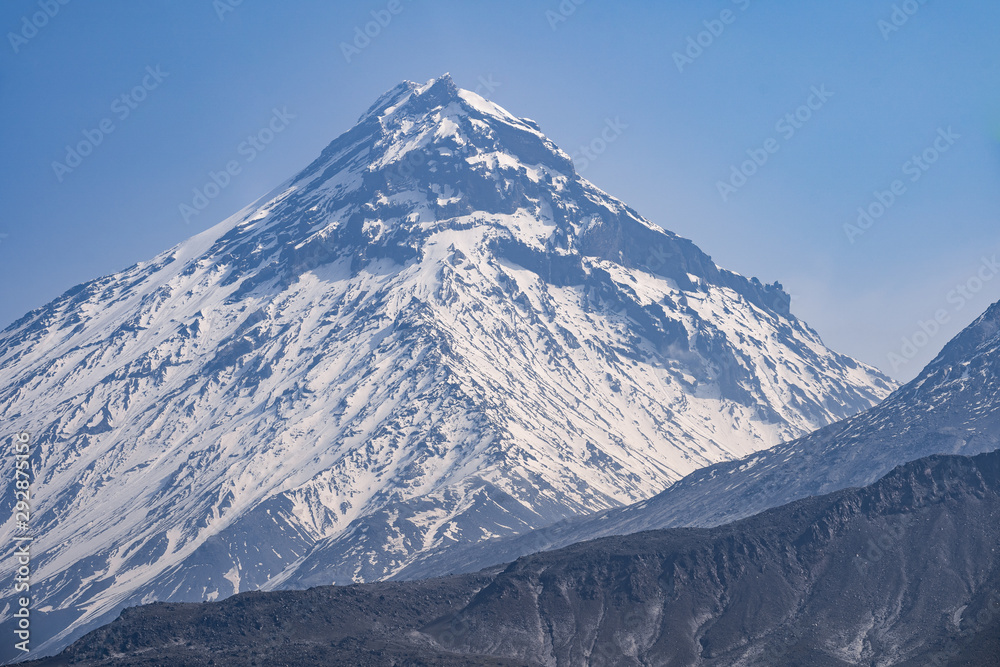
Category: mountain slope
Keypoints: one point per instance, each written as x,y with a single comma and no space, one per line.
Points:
904,572
436,333
953,406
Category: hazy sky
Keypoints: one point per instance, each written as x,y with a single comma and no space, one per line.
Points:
889,100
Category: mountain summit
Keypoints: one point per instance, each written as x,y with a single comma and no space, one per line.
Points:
436,333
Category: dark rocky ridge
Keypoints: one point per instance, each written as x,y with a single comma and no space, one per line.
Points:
904,572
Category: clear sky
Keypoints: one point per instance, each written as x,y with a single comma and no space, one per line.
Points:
695,88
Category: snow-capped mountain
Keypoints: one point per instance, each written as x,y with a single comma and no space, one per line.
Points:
952,407
437,332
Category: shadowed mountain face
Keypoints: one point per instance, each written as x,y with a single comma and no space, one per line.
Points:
952,407
903,572
436,333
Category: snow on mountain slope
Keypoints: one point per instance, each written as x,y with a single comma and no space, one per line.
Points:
437,332
952,407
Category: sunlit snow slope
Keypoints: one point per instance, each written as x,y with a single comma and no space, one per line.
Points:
437,332
951,407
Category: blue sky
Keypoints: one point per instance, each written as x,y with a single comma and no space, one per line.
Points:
865,96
